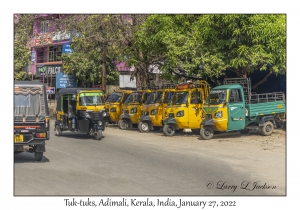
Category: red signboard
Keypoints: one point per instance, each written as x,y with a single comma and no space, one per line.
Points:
43,39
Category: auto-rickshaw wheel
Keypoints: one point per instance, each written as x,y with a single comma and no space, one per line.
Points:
169,130
38,156
143,126
99,135
58,131
206,132
123,124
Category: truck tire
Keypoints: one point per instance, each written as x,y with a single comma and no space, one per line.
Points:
38,156
169,130
267,128
206,132
143,126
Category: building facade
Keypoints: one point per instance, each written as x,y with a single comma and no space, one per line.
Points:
47,46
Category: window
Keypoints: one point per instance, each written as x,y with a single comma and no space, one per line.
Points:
22,100
168,97
40,55
235,95
55,53
196,97
44,26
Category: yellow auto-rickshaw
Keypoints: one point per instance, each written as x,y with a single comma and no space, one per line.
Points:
80,110
184,112
132,109
154,116
114,104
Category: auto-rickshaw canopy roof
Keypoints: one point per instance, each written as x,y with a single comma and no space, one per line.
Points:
74,91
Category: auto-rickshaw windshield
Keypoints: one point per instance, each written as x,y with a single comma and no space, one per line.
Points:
89,99
115,97
154,97
179,98
216,97
134,97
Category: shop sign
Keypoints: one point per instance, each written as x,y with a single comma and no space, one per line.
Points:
51,70
43,39
61,36
66,49
50,90
65,81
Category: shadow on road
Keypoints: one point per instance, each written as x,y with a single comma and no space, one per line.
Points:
27,157
78,136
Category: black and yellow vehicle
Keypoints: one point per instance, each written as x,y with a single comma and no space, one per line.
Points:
132,109
31,118
114,104
80,110
154,114
232,107
184,112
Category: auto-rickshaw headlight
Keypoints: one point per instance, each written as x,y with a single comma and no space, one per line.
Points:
166,114
113,109
218,114
133,110
154,112
87,115
180,113
100,122
203,115
146,113
104,114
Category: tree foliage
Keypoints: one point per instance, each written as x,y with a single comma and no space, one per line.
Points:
207,45
100,41
22,36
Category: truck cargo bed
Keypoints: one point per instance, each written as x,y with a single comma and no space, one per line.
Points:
266,104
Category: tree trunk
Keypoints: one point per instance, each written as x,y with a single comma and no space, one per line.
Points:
104,70
261,81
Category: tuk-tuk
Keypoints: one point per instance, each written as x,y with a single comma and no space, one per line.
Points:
31,118
155,113
114,104
184,112
132,109
80,110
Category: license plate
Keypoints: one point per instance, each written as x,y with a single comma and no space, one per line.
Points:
19,138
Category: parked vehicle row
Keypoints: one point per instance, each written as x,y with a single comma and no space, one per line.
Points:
194,106
186,106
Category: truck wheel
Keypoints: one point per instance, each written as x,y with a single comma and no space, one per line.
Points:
267,129
143,126
58,131
38,156
245,131
169,130
123,124
99,135
206,132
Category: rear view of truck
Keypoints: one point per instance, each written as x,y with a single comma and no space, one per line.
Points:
31,118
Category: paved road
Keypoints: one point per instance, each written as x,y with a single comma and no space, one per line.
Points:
131,163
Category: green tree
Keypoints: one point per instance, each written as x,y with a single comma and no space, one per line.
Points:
207,45
99,44
247,42
22,36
